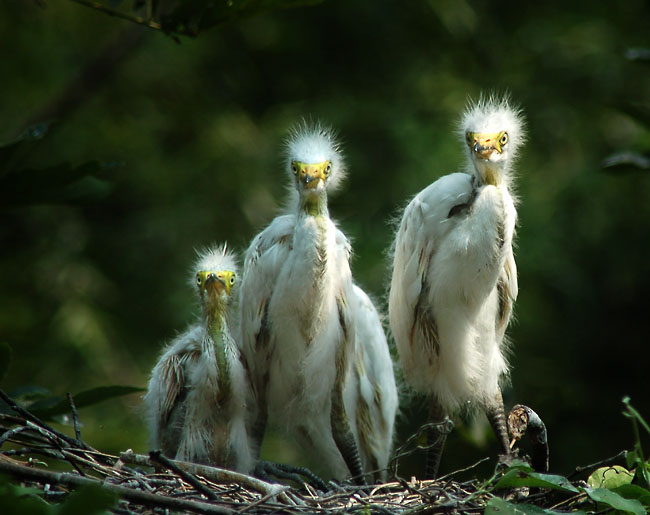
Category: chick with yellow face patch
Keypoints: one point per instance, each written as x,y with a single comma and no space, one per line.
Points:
311,176
199,391
312,339
454,279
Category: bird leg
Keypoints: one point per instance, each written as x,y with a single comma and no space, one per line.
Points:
497,418
265,469
344,438
436,437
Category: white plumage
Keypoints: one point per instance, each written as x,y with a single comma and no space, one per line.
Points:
308,334
199,390
454,277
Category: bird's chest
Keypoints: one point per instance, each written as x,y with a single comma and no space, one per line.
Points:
307,278
304,315
475,247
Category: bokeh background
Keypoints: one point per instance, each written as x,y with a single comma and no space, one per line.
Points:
183,138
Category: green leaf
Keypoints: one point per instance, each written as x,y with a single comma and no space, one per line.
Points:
192,16
60,183
82,400
500,506
29,393
634,492
14,153
5,358
88,500
610,477
633,413
616,501
515,478
23,500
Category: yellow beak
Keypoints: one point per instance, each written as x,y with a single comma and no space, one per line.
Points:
483,144
218,281
311,174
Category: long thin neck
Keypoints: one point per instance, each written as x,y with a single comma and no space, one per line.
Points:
217,326
314,205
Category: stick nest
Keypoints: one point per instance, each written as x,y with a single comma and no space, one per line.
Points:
36,455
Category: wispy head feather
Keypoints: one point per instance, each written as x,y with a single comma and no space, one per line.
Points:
309,142
213,258
494,113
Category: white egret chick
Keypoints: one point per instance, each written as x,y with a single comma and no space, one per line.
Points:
454,277
199,391
301,317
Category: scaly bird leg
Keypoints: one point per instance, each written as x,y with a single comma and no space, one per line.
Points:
265,469
496,415
344,438
436,437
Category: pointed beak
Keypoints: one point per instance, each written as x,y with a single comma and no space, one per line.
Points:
483,147
214,281
310,176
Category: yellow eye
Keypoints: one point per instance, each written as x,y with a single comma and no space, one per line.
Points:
198,279
468,138
232,280
294,168
504,139
328,169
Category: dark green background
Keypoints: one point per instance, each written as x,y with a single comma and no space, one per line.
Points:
91,288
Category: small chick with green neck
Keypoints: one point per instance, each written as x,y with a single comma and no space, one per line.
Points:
199,391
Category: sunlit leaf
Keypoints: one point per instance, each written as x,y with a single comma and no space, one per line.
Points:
610,477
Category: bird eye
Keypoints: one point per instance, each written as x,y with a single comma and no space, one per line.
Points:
232,279
294,168
198,280
468,138
328,169
504,139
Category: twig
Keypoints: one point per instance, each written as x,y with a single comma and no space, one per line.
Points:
75,417
603,463
37,421
261,500
119,14
74,481
213,473
459,471
158,457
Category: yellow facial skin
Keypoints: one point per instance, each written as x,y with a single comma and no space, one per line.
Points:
310,174
218,281
483,144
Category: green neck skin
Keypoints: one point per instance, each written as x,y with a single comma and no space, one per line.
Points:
217,329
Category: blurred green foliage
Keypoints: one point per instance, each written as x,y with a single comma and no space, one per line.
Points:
93,280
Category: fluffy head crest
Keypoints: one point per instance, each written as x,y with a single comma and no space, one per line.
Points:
214,258
314,143
494,114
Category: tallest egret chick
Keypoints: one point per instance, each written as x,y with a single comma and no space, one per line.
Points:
299,315
454,277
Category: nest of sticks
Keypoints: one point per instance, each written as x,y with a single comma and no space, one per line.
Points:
35,454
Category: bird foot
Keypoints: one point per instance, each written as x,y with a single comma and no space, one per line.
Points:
267,470
506,460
